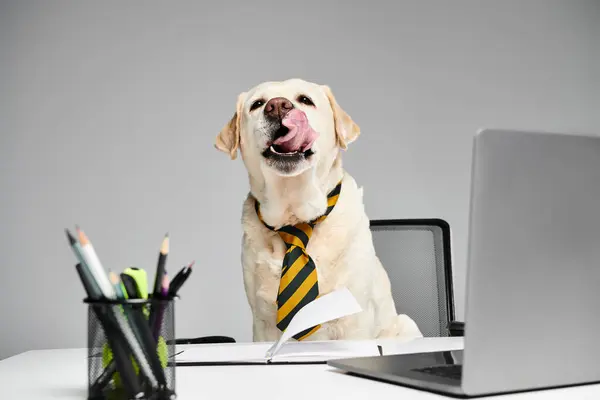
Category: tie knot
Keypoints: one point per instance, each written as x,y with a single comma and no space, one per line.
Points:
296,235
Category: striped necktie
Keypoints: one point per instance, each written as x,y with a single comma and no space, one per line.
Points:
298,284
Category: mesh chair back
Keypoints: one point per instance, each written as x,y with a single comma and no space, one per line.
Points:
416,255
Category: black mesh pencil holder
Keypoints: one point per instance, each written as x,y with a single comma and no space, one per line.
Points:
130,343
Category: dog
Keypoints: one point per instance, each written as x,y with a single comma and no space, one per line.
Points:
290,177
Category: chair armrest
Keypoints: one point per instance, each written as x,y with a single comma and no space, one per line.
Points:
205,340
456,328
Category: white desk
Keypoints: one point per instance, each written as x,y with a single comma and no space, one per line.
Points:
62,374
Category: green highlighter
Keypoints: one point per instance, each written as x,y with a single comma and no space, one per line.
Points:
141,280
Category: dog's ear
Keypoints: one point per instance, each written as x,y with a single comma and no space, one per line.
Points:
228,140
346,130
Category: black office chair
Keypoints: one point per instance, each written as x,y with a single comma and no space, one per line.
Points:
416,254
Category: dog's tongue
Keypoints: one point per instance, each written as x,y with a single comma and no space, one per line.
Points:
300,136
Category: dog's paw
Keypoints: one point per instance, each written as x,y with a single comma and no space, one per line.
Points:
408,327
403,327
264,331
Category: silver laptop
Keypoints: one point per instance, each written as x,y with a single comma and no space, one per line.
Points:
532,318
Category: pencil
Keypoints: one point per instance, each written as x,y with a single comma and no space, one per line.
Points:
90,285
116,282
156,319
110,369
76,247
160,268
135,347
93,262
165,286
113,335
141,330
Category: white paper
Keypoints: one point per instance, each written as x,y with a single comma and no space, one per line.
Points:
420,345
309,351
326,350
326,308
224,353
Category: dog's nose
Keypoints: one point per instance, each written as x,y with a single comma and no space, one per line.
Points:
278,107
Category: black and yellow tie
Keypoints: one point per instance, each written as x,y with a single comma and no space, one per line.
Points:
298,284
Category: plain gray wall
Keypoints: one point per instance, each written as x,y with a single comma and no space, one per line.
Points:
108,113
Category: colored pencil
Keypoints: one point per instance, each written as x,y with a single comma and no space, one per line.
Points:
165,286
136,347
117,284
156,319
128,333
89,282
76,247
160,268
93,262
115,340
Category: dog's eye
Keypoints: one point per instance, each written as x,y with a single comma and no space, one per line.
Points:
305,100
257,104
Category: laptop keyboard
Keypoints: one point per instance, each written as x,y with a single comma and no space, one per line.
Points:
444,371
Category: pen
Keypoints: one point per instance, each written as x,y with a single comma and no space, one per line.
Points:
160,268
180,279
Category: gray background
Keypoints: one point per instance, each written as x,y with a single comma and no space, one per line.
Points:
108,113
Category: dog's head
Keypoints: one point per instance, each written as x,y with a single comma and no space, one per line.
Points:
286,128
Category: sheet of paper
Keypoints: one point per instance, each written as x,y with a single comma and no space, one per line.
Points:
326,350
223,353
420,345
308,351
326,308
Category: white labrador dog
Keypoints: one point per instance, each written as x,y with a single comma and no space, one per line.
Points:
291,183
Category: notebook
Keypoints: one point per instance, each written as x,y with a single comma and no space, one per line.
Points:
312,352
324,309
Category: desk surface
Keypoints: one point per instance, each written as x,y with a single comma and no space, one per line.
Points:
61,374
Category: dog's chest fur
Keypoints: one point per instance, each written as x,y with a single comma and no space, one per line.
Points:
341,249
264,272
325,251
